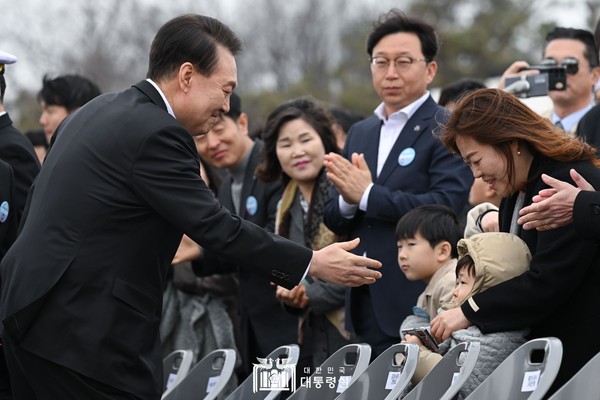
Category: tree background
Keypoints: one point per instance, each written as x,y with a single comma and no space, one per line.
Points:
305,47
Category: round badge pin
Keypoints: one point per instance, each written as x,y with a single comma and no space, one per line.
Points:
406,156
251,205
4,208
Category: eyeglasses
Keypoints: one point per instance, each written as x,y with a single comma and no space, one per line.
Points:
401,63
571,64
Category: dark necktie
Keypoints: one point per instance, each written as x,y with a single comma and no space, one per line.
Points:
558,124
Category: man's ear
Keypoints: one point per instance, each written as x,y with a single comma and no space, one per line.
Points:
186,72
242,122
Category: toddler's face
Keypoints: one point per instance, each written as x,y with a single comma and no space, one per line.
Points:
417,259
464,285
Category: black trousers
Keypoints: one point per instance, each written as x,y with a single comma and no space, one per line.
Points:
34,378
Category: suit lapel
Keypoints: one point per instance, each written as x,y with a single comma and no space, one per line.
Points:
414,127
150,91
371,148
249,178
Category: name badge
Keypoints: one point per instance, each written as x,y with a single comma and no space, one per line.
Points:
4,208
251,205
406,156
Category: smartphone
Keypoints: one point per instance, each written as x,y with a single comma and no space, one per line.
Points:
424,336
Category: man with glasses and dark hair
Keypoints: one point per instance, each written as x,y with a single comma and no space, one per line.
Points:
392,163
576,50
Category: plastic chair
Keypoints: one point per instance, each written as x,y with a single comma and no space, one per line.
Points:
207,378
175,367
527,373
385,378
583,385
445,380
336,375
251,389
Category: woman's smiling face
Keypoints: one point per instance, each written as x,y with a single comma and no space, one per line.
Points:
487,163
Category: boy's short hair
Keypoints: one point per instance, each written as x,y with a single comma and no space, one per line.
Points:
434,222
467,262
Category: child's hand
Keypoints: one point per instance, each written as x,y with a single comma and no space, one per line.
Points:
295,297
412,339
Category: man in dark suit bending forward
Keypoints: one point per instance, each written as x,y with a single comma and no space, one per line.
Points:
82,285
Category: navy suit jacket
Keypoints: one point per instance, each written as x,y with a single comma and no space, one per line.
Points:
434,176
82,285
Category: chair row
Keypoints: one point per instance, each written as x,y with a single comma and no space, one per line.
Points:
527,373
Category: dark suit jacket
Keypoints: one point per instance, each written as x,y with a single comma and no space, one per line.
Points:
82,285
434,176
259,309
8,217
560,294
589,127
18,151
586,214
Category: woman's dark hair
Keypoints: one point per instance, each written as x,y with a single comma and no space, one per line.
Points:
306,109
496,118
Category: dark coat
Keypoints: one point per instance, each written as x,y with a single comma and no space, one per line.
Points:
17,150
560,294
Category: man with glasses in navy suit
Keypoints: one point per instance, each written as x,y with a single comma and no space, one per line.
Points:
392,163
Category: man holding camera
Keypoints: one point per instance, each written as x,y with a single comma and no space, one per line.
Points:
574,49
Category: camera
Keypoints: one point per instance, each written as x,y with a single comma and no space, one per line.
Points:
551,77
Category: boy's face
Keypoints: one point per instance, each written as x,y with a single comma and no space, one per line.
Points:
464,285
418,260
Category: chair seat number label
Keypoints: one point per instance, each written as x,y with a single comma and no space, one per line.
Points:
170,381
530,381
455,377
392,380
212,382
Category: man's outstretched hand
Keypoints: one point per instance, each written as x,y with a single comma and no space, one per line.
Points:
335,264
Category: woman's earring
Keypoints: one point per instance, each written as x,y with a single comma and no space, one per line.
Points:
518,152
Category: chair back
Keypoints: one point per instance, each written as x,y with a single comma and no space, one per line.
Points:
254,389
583,385
449,375
527,373
175,367
207,379
387,376
336,373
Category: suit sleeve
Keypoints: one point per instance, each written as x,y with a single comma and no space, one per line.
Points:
25,166
166,176
586,214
